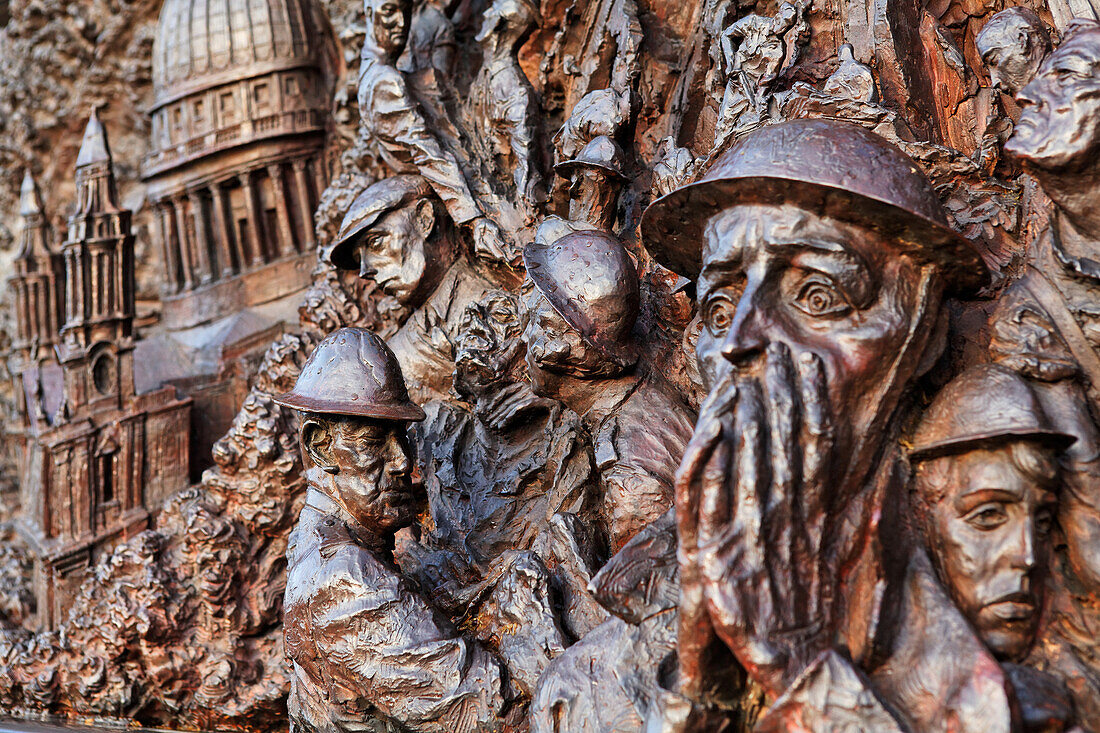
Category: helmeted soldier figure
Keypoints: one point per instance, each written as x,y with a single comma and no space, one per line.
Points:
356,631
821,255
985,487
581,304
396,234
595,177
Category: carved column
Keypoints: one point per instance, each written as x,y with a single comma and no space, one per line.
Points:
32,312
95,282
171,253
305,203
78,293
22,327
286,229
186,258
42,306
254,242
231,256
319,173
202,240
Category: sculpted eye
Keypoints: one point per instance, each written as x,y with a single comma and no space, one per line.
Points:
503,314
718,314
987,517
820,299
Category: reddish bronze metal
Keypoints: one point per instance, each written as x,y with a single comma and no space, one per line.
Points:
352,372
985,405
828,167
590,280
377,200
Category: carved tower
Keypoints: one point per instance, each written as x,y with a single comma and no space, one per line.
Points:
98,456
38,270
97,338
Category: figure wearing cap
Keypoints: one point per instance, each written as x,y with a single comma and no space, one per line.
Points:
595,179
984,491
396,234
396,124
821,256
581,302
357,632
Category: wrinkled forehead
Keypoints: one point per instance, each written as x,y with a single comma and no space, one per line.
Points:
739,235
1016,471
393,221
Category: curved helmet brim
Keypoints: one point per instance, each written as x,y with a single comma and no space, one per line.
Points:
625,354
673,225
408,412
961,444
341,253
566,167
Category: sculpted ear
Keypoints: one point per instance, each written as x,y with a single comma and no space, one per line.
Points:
317,444
424,216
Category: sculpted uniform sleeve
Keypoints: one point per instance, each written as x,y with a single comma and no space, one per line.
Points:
391,115
383,647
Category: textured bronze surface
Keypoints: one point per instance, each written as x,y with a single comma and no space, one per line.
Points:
565,367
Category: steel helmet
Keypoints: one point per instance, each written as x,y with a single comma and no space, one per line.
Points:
601,153
987,404
590,280
353,372
372,204
834,168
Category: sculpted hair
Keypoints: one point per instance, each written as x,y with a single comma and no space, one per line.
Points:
1013,20
931,477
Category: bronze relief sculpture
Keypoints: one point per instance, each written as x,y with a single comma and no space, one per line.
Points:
598,366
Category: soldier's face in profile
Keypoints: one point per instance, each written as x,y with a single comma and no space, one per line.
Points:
1059,126
988,516
392,253
818,285
374,462
391,23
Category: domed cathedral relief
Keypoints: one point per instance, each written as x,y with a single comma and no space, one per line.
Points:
234,173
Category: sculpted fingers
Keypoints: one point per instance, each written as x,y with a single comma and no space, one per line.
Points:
750,463
817,482
780,394
708,431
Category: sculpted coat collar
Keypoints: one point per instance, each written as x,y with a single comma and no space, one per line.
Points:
332,515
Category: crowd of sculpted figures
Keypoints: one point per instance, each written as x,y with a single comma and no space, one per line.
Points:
765,425
515,522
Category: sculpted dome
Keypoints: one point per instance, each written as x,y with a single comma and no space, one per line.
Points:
204,43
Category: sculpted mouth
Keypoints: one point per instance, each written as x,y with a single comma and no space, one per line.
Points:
1017,608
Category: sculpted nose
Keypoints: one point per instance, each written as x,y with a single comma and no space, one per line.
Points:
1023,552
365,270
397,459
1028,96
745,339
